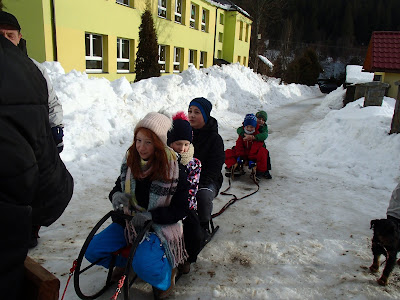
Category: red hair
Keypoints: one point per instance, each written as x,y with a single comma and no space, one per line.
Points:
159,161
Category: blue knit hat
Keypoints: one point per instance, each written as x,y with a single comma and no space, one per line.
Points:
204,105
250,119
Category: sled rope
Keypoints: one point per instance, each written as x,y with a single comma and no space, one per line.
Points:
118,290
235,198
71,272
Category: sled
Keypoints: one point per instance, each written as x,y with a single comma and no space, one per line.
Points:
104,278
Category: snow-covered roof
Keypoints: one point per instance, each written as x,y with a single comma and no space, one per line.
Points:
354,74
228,5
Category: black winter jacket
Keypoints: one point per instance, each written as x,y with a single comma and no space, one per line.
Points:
35,186
209,149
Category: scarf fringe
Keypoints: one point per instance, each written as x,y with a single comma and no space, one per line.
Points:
174,236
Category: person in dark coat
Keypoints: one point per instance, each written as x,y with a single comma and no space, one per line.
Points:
209,149
35,186
10,29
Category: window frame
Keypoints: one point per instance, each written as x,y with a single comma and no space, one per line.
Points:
178,14
92,57
120,59
123,2
177,63
203,24
191,20
162,9
202,57
192,57
220,37
162,62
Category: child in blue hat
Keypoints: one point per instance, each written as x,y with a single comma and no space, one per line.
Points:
248,150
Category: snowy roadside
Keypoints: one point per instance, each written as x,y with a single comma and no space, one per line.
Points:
304,235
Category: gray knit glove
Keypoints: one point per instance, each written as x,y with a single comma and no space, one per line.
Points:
120,200
139,219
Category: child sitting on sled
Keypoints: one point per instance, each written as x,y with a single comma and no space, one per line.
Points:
261,136
180,139
248,151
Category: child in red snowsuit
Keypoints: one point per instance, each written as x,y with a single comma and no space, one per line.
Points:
248,150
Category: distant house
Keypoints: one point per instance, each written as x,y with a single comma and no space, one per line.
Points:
101,37
383,58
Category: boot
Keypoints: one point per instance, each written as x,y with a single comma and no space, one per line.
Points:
158,294
34,236
184,268
117,274
267,175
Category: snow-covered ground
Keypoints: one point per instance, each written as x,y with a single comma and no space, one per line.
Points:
304,235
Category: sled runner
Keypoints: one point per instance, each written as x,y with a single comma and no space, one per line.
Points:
103,276
85,271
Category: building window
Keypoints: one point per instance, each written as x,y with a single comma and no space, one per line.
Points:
247,32
220,37
192,57
203,59
239,58
221,19
377,77
219,55
244,61
94,53
122,55
178,11
192,16
177,60
241,31
126,2
162,57
162,8
204,20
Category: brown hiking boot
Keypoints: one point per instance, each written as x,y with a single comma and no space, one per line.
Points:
158,294
184,268
117,274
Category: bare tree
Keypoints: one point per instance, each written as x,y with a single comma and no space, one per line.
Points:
263,12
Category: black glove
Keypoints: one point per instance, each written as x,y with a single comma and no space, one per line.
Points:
120,200
139,219
58,134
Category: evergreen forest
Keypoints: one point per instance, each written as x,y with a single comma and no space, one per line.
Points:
336,29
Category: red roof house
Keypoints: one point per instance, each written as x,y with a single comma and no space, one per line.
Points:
383,58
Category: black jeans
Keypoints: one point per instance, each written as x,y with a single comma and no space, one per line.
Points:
205,196
193,234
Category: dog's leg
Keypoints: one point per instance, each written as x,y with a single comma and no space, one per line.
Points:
377,250
390,262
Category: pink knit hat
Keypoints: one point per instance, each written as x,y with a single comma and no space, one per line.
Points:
158,123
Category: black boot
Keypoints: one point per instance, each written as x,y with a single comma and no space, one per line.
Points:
34,236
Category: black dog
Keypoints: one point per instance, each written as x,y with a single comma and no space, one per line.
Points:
386,241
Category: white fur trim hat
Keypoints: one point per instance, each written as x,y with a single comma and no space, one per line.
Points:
156,122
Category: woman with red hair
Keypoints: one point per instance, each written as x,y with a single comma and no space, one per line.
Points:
152,186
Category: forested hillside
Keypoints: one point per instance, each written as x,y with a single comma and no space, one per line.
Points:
335,28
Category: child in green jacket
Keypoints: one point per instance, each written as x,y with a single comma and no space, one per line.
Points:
260,137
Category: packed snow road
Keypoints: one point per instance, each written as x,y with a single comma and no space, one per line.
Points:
304,235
